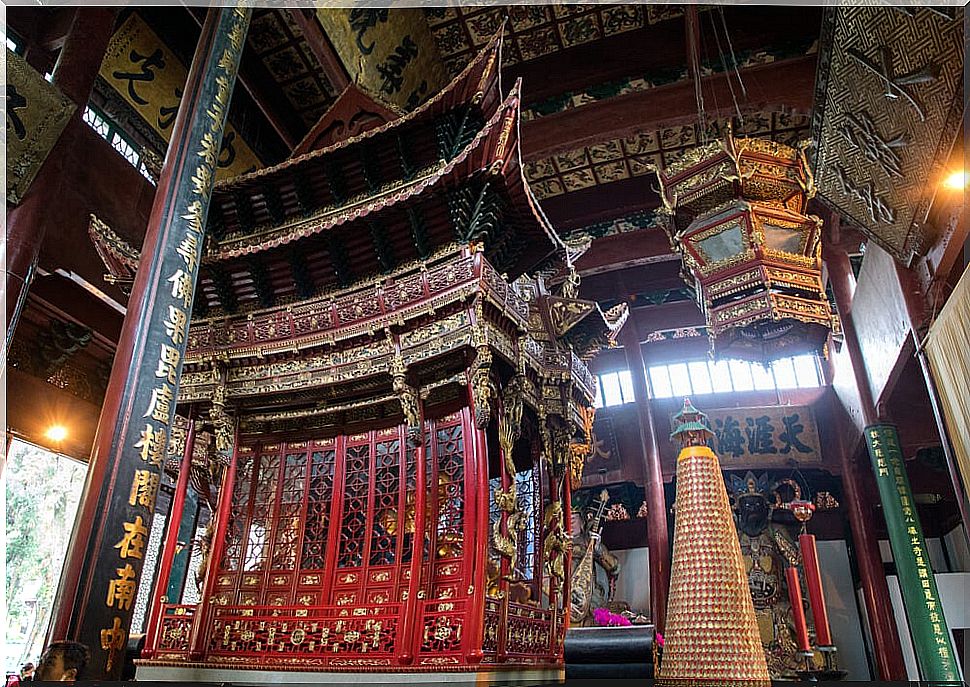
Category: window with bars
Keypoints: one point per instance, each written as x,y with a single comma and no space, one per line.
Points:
724,376
613,389
118,139
14,43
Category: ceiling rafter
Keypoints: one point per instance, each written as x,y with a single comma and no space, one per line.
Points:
255,78
320,45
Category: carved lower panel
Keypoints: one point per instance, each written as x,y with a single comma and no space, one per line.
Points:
320,630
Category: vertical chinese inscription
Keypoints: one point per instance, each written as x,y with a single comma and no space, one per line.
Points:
931,638
154,386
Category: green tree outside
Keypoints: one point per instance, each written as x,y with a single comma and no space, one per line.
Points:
42,491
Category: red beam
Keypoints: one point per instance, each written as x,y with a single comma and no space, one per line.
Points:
321,48
780,86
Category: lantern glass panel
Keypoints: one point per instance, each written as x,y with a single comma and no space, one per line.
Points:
727,242
783,239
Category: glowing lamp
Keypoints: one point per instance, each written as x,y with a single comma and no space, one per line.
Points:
956,181
56,433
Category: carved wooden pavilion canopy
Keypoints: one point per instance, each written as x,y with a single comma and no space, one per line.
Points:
353,298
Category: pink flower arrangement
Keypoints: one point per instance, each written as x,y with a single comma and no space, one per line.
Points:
606,618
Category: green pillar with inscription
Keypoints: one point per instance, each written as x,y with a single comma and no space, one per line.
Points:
932,641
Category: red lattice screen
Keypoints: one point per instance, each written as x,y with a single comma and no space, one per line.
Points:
321,539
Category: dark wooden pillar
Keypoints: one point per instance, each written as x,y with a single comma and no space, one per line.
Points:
658,540
75,74
94,602
159,593
859,484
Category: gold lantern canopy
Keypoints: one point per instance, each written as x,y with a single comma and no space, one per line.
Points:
735,214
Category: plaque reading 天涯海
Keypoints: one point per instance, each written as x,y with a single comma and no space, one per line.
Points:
889,99
759,437
37,113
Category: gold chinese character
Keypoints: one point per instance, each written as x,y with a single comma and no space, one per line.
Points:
152,444
144,489
134,539
928,595
188,248
934,617
176,324
113,640
182,287
925,584
194,216
121,591
922,572
168,360
160,404
911,531
944,652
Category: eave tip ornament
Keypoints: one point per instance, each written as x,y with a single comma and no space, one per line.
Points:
735,212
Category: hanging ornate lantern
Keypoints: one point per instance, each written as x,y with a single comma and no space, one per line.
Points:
735,210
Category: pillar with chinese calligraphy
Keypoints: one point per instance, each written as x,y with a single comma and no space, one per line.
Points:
712,633
94,603
924,613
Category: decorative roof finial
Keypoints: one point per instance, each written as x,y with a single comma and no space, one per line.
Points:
693,428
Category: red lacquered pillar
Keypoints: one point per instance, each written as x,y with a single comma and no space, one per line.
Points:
857,479
475,620
658,541
168,547
203,612
410,621
105,556
74,74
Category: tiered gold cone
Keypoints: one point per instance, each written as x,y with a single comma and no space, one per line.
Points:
711,631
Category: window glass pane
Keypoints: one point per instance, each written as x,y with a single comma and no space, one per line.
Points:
611,389
784,374
720,376
806,371
626,385
680,379
741,375
660,382
700,379
763,380
598,400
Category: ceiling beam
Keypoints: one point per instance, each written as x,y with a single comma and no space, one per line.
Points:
261,87
662,47
320,46
786,86
579,209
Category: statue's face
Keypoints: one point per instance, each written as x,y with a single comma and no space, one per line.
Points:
752,514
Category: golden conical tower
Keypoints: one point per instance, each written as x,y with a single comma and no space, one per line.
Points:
711,631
